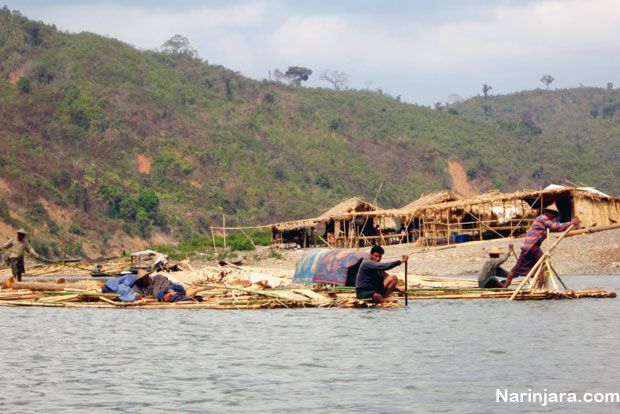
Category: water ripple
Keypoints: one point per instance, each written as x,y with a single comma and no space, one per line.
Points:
433,356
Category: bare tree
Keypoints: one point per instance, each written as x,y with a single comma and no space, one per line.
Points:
547,79
454,98
339,80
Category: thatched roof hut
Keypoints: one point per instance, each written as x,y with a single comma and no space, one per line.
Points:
335,218
347,209
431,199
409,210
343,210
441,215
593,207
494,213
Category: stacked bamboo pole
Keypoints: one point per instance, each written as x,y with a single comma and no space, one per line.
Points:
71,270
216,296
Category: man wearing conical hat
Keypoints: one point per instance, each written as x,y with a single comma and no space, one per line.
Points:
530,249
488,275
17,248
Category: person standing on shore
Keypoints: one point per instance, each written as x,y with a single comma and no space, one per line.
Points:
530,249
17,248
373,282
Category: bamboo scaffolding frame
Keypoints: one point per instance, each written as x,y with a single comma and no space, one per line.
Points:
540,261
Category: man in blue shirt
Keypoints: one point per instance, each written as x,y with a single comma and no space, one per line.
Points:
373,282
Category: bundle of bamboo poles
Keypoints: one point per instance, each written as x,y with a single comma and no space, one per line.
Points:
113,267
62,293
223,298
480,293
214,297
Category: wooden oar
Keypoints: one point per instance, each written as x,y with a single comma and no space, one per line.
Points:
406,285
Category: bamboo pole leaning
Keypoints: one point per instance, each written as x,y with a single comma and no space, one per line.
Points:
540,261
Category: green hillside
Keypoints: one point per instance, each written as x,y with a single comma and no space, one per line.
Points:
102,141
576,132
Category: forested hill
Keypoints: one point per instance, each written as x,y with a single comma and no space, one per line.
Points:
102,143
575,133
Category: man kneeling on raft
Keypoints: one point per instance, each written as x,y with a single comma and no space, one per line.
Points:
373,282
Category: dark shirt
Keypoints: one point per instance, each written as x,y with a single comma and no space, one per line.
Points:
159,283
370,275
491,268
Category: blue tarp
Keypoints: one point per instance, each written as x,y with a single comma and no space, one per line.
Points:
306,266
326,266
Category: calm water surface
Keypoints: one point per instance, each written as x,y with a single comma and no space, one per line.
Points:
432,356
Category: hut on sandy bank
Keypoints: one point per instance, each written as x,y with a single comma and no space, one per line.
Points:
445,217
407,229
496,214
335,227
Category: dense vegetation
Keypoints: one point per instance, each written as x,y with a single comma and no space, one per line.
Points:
572,134
100,139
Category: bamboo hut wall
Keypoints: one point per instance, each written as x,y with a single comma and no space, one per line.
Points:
596,212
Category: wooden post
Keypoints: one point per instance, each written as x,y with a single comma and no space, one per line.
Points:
62,240
224,229
213,238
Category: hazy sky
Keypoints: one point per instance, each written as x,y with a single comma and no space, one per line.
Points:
421,50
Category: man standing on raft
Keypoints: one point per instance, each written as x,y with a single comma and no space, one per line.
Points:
530,250
18,247
373,282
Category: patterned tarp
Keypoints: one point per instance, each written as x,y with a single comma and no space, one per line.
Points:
326,266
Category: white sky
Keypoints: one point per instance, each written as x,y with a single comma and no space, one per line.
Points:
421,50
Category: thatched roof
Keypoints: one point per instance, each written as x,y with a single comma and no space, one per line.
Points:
296,224
346,208
433,198
439,197
483,202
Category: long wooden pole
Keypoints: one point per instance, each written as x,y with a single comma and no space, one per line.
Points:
406,284
560,238
213,238
593,230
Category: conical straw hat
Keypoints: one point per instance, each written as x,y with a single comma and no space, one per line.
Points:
552,208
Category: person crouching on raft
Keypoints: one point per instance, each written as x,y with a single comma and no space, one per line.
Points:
373,282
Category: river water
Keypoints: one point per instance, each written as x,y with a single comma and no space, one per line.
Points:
432,356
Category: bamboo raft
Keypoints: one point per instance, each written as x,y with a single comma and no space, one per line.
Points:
87,294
